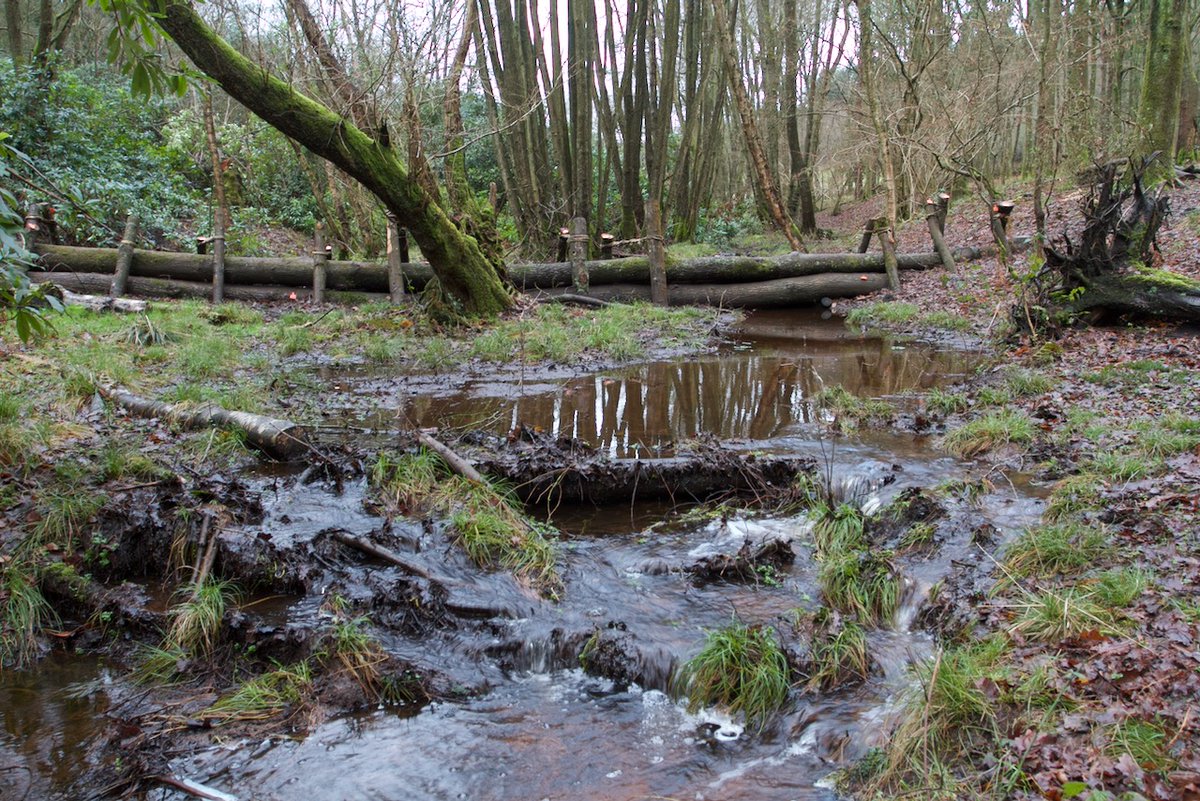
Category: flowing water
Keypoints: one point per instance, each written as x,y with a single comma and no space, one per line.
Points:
545,729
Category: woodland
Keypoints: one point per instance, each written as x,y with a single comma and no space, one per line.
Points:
987,213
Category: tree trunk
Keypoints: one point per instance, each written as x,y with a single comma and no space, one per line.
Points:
221,210
12,20
754,144
464,272
1162,82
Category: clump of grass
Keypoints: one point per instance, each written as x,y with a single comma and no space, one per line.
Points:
293,339
265,696
1053,615
838,529
1024,383
883,312
948,716
994,396
1147,742
839,653
990,431
196,623
145,333
741,668
79,386
118,461
948,321
65,510
940,401
1056,549
204,357
861,583
849,408
1118,588
25,613
495,533
359,654
1168,436
1073,495
487,521
11,408
918,535
1120,466
378,349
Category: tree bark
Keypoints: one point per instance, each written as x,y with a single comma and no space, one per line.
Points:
464,273
221,212
12,21
754,143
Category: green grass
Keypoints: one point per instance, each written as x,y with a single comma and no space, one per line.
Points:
1119,587
1053,615
850,408
1169,435
990,431
1061,548
196,623
119,461
862,583
291,339
883,312
487,521
25,613
207,357
1147,742
948,321
918,535
265,696
1073,496
1123,466
1024,383
940,401
65,511
1127,374
838,529
358,654
839,655
741,668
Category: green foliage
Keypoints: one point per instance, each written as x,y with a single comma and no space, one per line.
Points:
1118,588
1146,741
1024,382
838,529
741,668
721,226
19,299
849,409
1073,495
100,177
839,654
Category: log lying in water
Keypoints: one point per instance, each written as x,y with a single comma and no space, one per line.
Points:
279,439
775,294
373,277
164,288
685,478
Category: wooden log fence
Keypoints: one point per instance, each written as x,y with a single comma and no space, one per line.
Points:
742,281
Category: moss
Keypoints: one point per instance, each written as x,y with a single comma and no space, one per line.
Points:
1163,279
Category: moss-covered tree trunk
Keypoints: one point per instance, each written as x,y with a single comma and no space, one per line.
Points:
1162,81
464,272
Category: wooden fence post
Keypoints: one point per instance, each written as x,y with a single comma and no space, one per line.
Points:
320,256
564,237
606,246
1001,211
659,291
883,230
935,233
394,261
124,257
943,209
218,251
579,254
864,244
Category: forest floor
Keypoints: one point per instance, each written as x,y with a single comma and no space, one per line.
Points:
1102,601
1070,666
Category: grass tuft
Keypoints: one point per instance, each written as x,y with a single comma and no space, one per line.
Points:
25,612
861,583
839,654
741,668
1061,548
196,623
990,431
265,696
1054,615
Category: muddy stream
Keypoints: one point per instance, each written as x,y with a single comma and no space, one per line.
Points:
531,723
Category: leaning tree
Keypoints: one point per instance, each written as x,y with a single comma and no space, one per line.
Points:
463,270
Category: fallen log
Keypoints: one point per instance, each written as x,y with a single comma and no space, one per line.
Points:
373,277
379,552
99,303
277,438
600,480
774,294
1157,294
165,288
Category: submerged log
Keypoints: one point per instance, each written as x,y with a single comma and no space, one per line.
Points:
685,478
279,439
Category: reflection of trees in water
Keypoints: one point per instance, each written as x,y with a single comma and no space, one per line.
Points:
742,395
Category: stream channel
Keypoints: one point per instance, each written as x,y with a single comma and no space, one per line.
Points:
531,723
